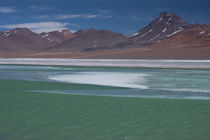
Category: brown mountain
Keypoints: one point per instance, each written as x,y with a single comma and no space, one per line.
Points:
24,40
56,37
79,32
187,44
191,38
93,39
167,37
21,39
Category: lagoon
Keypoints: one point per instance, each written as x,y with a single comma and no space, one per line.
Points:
57,102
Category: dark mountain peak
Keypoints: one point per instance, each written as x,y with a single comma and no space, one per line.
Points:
163,27
163,13
170,18
166,15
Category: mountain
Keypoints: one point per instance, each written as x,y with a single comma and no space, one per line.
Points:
24,40
190,26
191,43
93,39
167,37
57,37
21,39
79,32
190,38
162,28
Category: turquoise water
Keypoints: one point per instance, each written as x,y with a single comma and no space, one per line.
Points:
127,82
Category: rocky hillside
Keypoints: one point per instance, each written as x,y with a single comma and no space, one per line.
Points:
93,39
162,28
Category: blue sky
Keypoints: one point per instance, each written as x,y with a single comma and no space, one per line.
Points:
123,16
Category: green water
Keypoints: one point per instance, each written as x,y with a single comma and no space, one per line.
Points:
29,110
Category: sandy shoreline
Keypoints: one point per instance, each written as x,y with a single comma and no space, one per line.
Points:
191,64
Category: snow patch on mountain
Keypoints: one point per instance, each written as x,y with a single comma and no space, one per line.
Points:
45,35
6,34
167,23
164,30
160,19
202,32
172,34
155,37
135,34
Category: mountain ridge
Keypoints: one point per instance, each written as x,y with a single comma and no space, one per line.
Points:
93,39
161,31
162,28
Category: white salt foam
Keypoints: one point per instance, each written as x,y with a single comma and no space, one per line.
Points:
115,79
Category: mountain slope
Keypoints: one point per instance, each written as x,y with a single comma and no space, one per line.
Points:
20,40
190,38
162,28
57,37
94,40
168,36
187,44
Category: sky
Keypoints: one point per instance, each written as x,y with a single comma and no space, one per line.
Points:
122,16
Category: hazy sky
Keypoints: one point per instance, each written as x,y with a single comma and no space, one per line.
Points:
123,16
